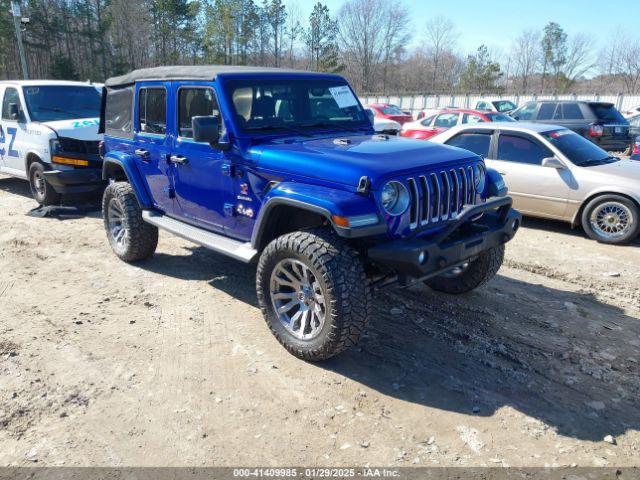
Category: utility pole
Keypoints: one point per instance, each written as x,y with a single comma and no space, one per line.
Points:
17,22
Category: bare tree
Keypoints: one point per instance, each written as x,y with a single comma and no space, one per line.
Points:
628,64
366,36
440,37
579,60
526,54
396,28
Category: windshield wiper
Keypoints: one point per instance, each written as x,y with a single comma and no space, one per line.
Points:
278,127
599,161
334,125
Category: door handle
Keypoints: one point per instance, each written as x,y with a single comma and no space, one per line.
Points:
180,159
141,152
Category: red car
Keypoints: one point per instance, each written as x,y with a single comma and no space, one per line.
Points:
439,122
390,112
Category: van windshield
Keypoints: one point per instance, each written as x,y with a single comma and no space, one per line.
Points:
62,102
296,106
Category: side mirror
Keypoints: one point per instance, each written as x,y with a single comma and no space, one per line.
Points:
371,116
14,112
206,129
552,162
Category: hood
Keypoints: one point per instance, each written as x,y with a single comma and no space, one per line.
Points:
81,129
624,171
335,160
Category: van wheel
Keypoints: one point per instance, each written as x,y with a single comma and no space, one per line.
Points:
130,237
42,192
612,219
470,275
313,293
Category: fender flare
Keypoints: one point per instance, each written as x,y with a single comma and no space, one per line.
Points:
323,201
127,164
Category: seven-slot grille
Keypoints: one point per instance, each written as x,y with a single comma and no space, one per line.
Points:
440,195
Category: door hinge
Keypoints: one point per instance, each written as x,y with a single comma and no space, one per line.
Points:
228,170
228,209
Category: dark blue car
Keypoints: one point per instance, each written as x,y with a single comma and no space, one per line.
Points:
283,168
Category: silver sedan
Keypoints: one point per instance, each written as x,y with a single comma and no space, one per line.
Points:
552,172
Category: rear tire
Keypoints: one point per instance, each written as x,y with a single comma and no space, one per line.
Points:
131,238
611,219
42,192
471,276
313,293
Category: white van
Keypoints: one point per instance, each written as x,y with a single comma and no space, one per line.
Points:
49,136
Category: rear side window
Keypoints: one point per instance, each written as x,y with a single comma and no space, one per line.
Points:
152,111
607,112
571,111
546,111
471,118
11,95
427,121
521,150
477,143
194,102
119,112
446,120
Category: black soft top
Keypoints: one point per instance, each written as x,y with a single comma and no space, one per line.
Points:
190,72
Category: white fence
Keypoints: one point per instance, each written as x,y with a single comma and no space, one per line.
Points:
415,103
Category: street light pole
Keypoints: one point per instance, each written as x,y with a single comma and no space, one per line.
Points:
17,22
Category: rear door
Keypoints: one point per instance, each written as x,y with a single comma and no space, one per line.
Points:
570,115
547,113
476,141
152,141
536,190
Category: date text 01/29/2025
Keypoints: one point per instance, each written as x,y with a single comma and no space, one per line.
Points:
315,473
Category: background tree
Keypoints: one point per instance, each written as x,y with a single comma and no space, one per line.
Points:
321,39
554,51
481,73
440,36
525,51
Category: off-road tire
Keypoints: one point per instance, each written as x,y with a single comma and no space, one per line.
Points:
341,274
43,194
480,270
140,238
634,228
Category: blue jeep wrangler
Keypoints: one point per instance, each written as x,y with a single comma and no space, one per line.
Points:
284,168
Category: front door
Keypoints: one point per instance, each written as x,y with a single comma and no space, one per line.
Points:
153,142
536,190
12,131
201,174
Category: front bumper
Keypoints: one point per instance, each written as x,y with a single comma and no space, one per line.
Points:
79,180
462,239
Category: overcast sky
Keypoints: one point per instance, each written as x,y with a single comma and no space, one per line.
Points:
496,22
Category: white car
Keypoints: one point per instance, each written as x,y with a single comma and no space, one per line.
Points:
49,136
500,106
552,172
632,112
384,125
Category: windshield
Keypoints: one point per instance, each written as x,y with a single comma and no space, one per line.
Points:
607,112
499,117
54,102
391,110
504,105
579,150
298,106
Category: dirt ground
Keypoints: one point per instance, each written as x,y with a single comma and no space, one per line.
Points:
170,363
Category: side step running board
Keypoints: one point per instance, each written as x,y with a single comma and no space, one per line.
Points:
233,248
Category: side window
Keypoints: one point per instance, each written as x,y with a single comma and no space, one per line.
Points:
152,110
526,112
521,150
194,102
571,111
635,122
478,143
427,121
446,120
11,96
472,118
546,111
119,112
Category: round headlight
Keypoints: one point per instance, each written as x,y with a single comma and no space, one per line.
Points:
394,198
480,177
